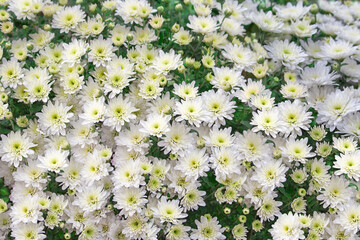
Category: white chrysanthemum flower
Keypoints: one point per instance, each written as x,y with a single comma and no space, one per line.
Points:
336,105
166,62
191,110
193,164
93,111
344,145
177,140
291,12
303,28
193,199
253,146
183,37
225,162
349,218
68,18
186,90
72,83
128,174
133,139
320,74
149,89
336,193
169,211
91,198
313,49
130,200
101,51
293,90
118,112
31,175
350,68
208,228
288,53
116,81
134,11
249,89
338,49
267,21
11,73
178,232
269,209
155,124
73,51
241,56
351,125
26,210
70,176
349,164
54,160
219,106
268,121
297,150
94,169
15,147
287,227
270,174
202,25
226,78
53,118
27,231
38,90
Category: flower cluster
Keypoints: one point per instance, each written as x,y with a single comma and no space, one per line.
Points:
209,120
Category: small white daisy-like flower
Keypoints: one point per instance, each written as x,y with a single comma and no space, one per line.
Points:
225,161
208,228
193,164
320,74
178,232
291,12
26,210
118,112
336,193
241,56
186,90
288,53
191,110
54,160
219,106
73,51
11,73
226,78
169,211
270,174
349,218
91,198
53,118
287,227
101,51
297,150
155,124
202,24
268,121
27,231
93,111
68,18
15,147
349,164
338,49
166,62
267,21
130,200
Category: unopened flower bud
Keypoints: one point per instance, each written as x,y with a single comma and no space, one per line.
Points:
178,7
92,8
29,46
242,218
227,210
175,28
129,37
314,8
